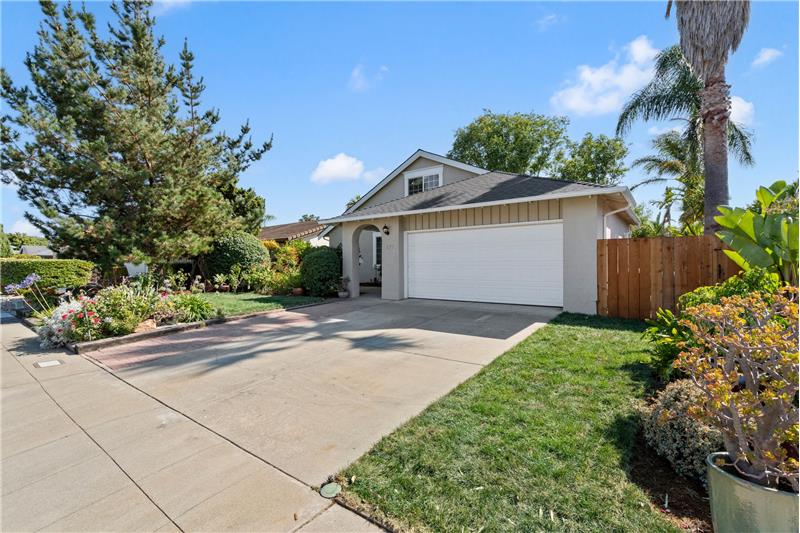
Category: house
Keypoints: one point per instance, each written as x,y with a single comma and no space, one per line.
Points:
441,229
307,231
42,251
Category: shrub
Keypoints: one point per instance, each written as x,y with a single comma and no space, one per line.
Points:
755,280
677,437
123,307
53,273
192,308
284,282
258,279
287,257
669,337
321,272
57,328
235,248
745,363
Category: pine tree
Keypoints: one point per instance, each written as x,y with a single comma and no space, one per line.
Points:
111,144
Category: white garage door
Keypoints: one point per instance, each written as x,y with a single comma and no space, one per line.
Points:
520,264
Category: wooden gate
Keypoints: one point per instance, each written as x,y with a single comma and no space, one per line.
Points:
637,276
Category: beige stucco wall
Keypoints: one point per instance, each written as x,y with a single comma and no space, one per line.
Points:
616,227
397,187
392,272
581,231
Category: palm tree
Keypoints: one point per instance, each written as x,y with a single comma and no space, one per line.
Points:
674,93
709,32
676,158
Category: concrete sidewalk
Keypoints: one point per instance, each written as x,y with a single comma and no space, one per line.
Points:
84,451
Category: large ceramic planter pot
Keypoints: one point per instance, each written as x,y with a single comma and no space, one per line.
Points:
738,505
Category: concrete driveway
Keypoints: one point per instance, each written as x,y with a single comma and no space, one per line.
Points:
233,426
311,390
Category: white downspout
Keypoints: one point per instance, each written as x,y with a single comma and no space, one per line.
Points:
606,233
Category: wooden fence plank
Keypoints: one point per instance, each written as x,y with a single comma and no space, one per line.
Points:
633,278
622,277
613,303
602,277
644,277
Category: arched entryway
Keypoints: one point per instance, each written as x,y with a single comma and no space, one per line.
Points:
367,259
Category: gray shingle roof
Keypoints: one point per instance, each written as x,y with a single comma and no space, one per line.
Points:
489,187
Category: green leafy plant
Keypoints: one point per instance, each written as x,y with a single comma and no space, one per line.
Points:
669,336
745,362
755,280
681,439
123,307
192,308
53,273
321,272
766,239
258,279
238,248
235,277
220,280
284,281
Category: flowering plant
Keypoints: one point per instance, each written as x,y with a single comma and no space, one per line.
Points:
745,361
28,287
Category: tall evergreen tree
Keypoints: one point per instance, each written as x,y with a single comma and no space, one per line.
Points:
111,143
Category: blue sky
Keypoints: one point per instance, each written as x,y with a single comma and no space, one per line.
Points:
349,90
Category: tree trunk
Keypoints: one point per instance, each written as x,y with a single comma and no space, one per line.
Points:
715,110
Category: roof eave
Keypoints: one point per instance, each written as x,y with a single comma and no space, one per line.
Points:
542,197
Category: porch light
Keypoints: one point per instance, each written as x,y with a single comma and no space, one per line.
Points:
385,229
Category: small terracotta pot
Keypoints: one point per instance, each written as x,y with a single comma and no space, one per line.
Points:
297,291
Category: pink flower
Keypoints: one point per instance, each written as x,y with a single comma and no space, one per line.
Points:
63,317
79,315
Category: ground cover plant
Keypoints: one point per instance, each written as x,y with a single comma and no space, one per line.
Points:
540,439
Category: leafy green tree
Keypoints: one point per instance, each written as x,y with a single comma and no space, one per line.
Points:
675,159
5,246
17,239
523,143
309,218
595,160
119,157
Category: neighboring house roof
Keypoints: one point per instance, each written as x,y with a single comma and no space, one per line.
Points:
490,188
291,231
32,249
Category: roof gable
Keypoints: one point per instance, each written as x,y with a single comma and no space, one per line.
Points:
436,158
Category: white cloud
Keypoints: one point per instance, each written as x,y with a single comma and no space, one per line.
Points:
603,89
742,111
341,167
23,226
374,175
361,80
765,57
655,130
160,7
546,21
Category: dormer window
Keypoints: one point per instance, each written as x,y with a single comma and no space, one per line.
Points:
423,179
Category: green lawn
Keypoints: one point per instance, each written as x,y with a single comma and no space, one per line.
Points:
547,427
248,302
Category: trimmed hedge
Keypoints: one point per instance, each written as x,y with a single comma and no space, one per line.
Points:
321,271
55,273
238,247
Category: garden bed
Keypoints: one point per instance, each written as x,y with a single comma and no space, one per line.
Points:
543,438
232,307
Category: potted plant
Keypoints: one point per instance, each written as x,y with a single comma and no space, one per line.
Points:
745,361
343,290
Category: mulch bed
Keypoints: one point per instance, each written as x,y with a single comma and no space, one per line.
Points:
688,506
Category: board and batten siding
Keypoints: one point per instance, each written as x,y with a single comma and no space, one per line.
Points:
484,216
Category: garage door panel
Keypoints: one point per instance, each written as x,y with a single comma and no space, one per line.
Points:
509,264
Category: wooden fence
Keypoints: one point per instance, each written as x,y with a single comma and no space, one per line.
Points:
637,276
